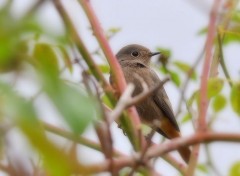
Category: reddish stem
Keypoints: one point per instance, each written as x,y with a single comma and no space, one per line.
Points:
115,67
206,67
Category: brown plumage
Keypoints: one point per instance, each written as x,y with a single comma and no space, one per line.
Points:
156,110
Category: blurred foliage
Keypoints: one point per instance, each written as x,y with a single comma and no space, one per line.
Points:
172,68
23,48
235,169
235,98
20,46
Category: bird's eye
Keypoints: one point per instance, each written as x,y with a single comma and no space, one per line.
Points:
135,54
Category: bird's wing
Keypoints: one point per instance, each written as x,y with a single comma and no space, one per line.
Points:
162,101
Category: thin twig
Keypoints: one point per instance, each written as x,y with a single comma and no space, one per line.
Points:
126,100
75,37
186,82
140,160
78,139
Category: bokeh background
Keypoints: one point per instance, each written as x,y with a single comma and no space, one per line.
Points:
174,25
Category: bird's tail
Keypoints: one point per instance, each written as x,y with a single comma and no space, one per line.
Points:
170,132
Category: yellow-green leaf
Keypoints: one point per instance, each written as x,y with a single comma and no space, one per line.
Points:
175,78
203,168
186,118
66,58
46,59
186,68
215,86
235,169
219,102
235,98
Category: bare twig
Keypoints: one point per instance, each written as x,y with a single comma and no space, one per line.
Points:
74,36
161,149
186,82
126,100
140,160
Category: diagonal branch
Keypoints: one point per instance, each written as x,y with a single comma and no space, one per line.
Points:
126,100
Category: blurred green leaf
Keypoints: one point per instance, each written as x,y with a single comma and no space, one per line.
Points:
202,31
46,59
104,68
165,51
175,78
12,35
235,169
202,167
235,98
112,32
236,15
163,70
106,101
25,117
66,58
215,86
164,56
186,68
77,109
232,35
219,102
186,118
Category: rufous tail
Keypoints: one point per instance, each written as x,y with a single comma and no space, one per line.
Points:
170,132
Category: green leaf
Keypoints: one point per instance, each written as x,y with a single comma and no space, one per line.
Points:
106,101
202,31
214,87
75,106
186,118
22,112
235,169
236,16
219,102
235,98
203,168
186,68
232,35
46,59
104,68
77,109
175,78
66,58
165,51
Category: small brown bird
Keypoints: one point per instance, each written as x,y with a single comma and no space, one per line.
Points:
135,62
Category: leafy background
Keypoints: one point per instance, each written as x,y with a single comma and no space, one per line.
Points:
43,78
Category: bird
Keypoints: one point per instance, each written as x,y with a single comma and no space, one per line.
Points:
156,110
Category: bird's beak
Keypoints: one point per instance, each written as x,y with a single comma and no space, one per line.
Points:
154,53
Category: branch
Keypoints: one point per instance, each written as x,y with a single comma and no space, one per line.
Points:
116,70
78,139
203,87
161,149
75,37
126,100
